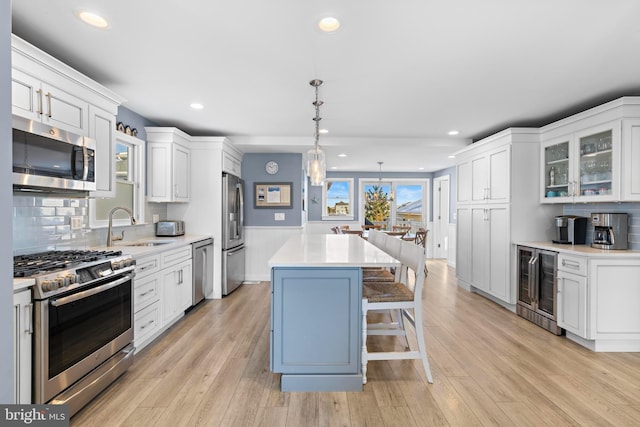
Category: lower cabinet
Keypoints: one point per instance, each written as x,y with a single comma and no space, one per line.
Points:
162,292
22,347
483,249
177,290
316,328
572,296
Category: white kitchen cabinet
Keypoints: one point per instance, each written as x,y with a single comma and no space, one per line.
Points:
498,180
464,182
583,166
102,128
176,283
463,246
22,347
490,250
232,162
168,165
147,308
177,288
37,100
613,298
46,90
630,160
489,176
572,294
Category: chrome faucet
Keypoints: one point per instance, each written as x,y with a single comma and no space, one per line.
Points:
110,237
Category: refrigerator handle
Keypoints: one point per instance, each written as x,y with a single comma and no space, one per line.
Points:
240,205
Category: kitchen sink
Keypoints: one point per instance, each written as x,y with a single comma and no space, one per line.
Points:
148,244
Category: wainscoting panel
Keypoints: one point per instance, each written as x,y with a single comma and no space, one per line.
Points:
262,243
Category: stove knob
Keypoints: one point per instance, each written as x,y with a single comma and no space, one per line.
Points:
61,281
73,278
49,285
128,262
117,265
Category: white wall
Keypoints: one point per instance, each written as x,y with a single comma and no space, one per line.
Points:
6,204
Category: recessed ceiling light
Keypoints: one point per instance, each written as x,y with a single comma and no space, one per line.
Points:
342,155
334,167
453,132
452,156
421,169
323,131
93,19
329,24
196,106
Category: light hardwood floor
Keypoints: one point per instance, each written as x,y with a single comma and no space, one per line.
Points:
490,368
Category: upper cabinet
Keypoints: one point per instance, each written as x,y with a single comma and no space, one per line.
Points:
36,100
46,90
485,177
168,165
589,157
630,157
583,166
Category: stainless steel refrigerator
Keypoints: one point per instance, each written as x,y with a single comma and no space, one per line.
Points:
233,250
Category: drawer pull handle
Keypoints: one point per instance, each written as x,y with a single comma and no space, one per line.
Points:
146,293
150,322
570,264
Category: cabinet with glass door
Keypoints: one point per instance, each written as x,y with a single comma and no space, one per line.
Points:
582,166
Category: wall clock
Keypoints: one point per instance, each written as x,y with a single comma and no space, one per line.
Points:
271,167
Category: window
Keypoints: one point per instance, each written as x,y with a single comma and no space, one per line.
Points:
398,202
337,199
129,186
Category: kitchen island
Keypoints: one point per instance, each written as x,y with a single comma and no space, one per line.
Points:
316,310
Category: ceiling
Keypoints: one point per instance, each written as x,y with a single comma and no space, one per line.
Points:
398,75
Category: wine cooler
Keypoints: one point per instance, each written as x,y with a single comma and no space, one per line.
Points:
537,287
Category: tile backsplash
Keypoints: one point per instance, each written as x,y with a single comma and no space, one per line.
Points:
632,209
42,223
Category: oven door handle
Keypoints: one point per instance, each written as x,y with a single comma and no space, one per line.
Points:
84,294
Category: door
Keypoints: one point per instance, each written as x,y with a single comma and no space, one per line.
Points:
463,245
546,285
441,217
479,247
526,275
181,172
572,303
233,211
233,267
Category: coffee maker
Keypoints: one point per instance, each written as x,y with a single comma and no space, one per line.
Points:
571,229
609,230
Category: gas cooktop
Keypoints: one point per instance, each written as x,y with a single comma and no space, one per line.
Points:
46,262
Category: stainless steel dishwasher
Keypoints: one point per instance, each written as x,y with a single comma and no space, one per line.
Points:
202,269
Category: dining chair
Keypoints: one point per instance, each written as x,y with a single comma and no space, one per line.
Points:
371,227
405,296
347,231
344,227
421,237
404,228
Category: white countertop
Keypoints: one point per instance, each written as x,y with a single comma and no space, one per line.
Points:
582,250
330,250
136,251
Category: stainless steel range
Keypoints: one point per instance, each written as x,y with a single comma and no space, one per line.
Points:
83,322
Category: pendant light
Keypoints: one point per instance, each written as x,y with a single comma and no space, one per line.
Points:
375,195
316,166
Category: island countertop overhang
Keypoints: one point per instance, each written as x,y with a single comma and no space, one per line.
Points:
330,250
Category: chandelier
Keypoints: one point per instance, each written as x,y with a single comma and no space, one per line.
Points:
316,166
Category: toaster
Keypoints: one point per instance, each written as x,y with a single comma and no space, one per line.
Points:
170,228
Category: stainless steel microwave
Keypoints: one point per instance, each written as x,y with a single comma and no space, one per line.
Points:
48,158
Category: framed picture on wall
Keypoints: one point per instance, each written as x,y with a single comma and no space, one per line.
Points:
273,195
